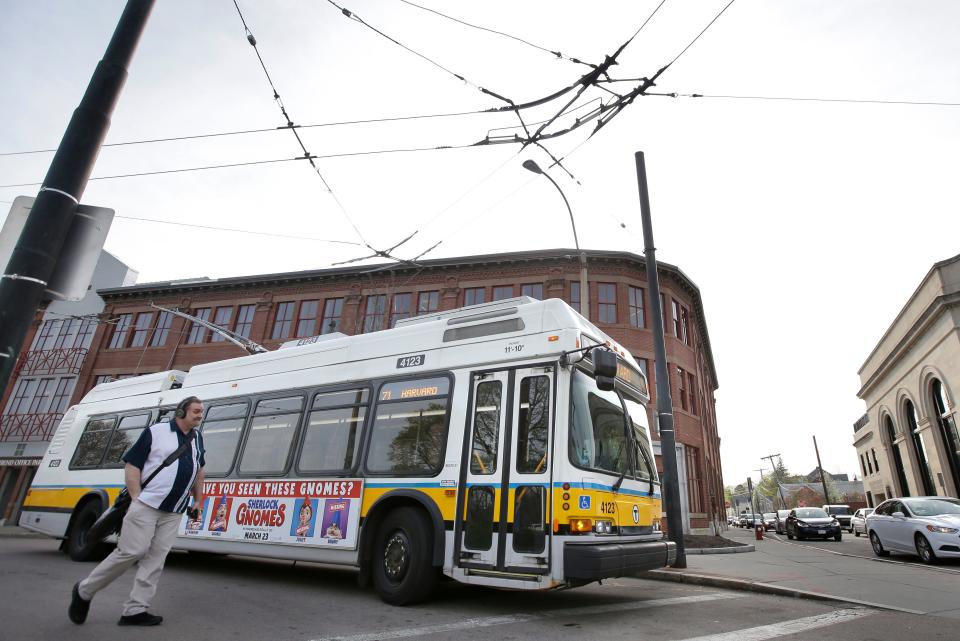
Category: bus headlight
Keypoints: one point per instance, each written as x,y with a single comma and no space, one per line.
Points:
603,527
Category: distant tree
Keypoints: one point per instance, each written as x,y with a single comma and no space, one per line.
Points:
769,486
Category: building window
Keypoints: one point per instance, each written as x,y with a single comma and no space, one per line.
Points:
199,333
876,465
863,466
402,304
533,290
474,296
222,319
162,330
637,313
947,423
19,399
141,328
685,326
681,375
920,449
376,309
332,311
677,328
694,491
428,302
663,314
607,302
502,292
307,323
65,336
575,295
244,320
84,334
120,330
46,333
693,392
283,321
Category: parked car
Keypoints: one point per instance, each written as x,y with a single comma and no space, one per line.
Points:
769,520
858,522
781,527
804,522
927,526
842,513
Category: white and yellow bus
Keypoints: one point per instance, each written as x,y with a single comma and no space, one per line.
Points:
503,444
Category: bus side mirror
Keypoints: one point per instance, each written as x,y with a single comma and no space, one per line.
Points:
605,369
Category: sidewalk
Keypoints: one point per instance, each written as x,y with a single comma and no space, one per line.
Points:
794,570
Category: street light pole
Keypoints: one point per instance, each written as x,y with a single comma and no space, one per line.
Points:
530,165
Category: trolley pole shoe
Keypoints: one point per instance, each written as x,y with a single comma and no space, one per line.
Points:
140,618
79,607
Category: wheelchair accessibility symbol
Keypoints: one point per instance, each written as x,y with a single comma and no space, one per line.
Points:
584,502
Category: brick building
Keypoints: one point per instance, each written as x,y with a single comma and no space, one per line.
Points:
135,338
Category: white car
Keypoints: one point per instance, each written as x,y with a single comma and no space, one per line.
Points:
858,523
928,526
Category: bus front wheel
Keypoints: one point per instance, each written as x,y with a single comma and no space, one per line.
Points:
402,571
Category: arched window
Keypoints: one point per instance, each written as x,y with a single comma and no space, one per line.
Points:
897,460
921,451
948,429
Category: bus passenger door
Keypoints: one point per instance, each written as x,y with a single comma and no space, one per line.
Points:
505,518
527,547
479,516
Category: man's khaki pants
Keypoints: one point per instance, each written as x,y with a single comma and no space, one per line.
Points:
147,535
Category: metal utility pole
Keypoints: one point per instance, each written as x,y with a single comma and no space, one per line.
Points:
777,478
668,444
823,479
35,256
753,514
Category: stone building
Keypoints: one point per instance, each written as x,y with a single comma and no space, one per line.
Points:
907,441
135,338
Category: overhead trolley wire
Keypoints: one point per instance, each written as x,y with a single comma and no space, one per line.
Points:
240,231
557,54
276,96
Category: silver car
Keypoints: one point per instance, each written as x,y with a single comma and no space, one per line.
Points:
781,527
928,526
858,523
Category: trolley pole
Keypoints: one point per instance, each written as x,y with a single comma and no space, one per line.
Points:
668,444
32,262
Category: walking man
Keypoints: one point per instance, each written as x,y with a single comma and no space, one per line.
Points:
151,523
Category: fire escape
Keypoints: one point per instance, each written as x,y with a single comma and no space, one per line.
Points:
44,408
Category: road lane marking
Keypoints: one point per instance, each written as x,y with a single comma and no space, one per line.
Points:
506,619
774,630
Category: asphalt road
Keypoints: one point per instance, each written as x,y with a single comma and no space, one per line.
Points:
246,599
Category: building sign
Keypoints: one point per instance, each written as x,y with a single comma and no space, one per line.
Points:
304,512
20,461
863,420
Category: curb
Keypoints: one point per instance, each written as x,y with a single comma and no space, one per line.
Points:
763,588
733,549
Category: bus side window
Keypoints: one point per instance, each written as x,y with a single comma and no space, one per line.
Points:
534,425
126,435
221,432
331,439
93,442
408,438
486,428
270,435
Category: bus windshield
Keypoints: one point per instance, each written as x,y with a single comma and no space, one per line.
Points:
597,438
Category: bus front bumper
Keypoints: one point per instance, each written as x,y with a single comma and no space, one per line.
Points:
603,560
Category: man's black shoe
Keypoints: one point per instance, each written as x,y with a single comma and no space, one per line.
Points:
78,606
140,618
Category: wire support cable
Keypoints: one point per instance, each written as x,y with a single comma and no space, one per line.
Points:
240,231
854,101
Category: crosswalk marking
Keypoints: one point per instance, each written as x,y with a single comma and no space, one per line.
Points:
506,619
784,628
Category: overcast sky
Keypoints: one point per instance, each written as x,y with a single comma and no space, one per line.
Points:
806,224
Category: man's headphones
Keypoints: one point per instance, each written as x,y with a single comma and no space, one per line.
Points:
185,405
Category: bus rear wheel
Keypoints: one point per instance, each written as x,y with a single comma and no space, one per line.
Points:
80,547
402,570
